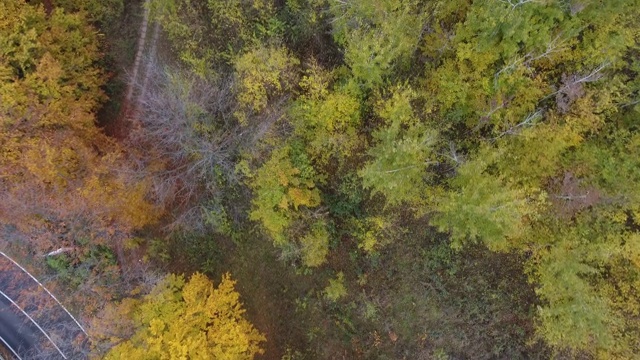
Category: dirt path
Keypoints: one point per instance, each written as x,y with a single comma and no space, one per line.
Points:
127,120
155,37
140,50
120,126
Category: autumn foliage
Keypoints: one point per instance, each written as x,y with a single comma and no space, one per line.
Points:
455,175
190,320
56,164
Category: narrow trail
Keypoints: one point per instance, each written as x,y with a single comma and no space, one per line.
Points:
140,49
150,62
127,121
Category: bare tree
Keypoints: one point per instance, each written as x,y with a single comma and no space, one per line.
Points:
573,87
187,136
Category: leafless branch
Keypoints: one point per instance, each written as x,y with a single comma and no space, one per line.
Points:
529,121
517,3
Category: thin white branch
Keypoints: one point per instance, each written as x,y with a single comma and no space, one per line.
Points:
517,3
571,197
594,75
399,169
554,46
630,103
454,153
528,121
141,40
59,251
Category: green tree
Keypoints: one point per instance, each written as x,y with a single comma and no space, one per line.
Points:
542,118
327,117
264,73
208,35
481,206
378,37
401,154
285,193
282,190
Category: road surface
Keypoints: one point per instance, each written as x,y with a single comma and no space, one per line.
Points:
33,324
17,333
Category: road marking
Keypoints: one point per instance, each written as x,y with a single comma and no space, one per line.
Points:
34,323
47,290
10,348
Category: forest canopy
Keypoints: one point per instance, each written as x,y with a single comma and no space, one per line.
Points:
384,179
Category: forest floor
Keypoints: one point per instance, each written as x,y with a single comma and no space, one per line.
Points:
268,288
400,304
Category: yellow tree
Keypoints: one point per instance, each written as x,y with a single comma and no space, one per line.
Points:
63,184
191,320
284,193
53,158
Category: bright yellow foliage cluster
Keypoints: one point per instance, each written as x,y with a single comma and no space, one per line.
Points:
191,320
53,154
327,120
264,72
281,189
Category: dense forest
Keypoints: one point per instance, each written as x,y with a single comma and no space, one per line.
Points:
328,179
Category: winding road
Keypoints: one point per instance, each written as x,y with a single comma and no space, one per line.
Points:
33,323
17,333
